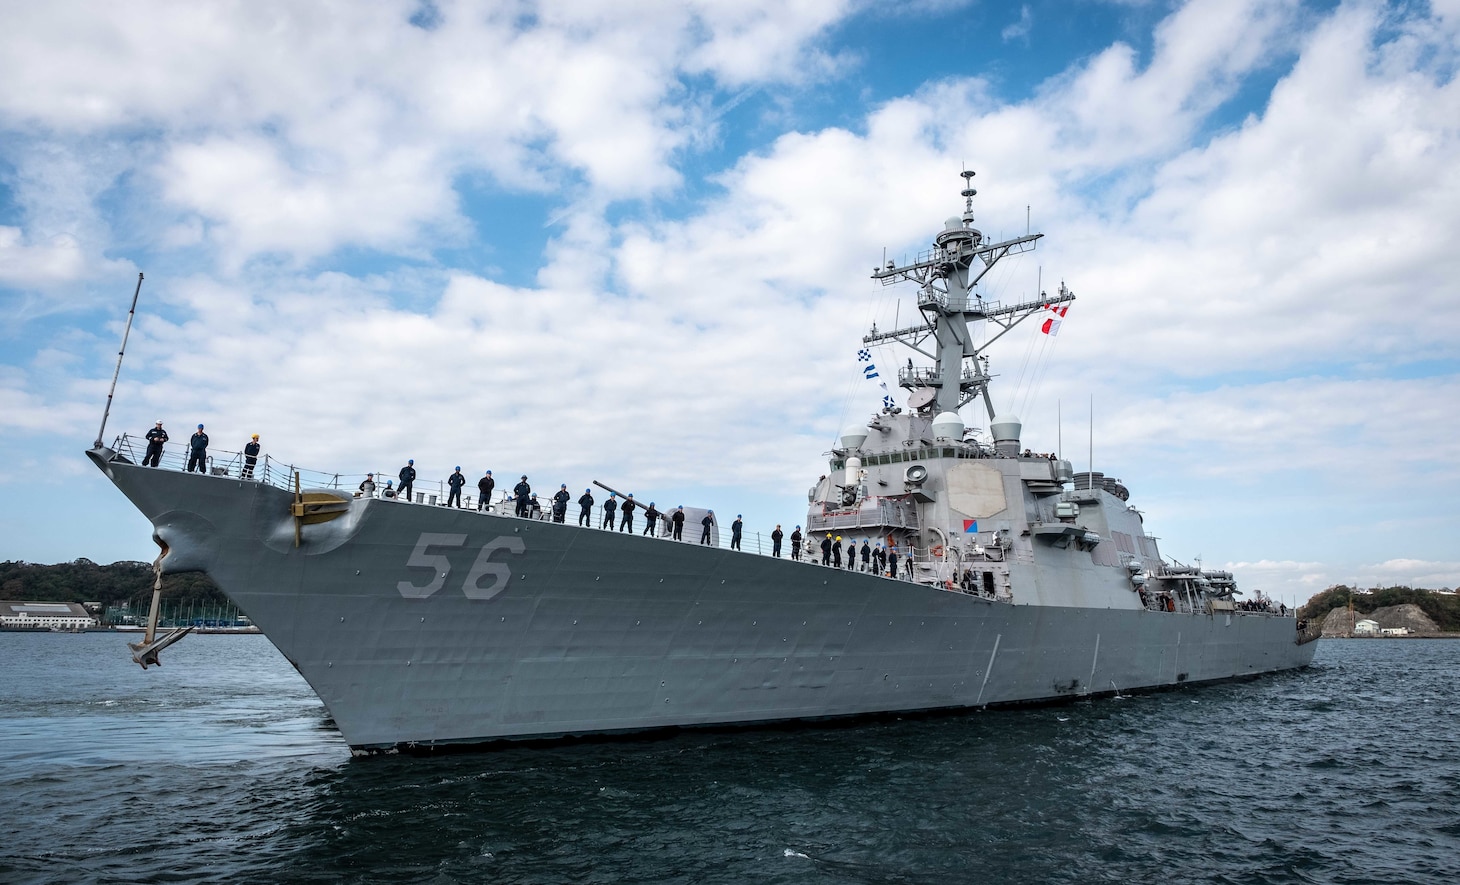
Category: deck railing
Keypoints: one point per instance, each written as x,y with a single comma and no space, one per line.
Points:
895,514
434,493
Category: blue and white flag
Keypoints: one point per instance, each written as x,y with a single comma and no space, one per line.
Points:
869,371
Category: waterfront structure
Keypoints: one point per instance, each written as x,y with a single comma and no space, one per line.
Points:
45,616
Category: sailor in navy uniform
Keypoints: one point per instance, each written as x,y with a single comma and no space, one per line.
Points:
407,479
456,480
155,438
523,491
627,510
250,456
198,451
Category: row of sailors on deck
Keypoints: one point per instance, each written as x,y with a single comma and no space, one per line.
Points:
526,505
875,560
197,451
1262,605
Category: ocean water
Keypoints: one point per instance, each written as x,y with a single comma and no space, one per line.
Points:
222,766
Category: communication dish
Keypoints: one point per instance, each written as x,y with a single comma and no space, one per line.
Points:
921,398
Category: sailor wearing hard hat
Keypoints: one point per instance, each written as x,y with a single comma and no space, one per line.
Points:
250,456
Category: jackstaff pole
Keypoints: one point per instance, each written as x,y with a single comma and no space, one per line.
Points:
117,374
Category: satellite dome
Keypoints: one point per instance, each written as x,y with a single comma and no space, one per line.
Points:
853,437
954,222
947,425
1005,429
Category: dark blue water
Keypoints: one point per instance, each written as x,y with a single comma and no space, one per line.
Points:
222,767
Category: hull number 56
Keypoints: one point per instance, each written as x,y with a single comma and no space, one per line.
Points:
473,587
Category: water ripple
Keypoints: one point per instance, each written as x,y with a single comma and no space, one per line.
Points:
223,768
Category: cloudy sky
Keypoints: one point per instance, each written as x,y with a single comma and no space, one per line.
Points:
589,239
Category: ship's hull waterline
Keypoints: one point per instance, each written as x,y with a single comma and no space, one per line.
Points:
421,626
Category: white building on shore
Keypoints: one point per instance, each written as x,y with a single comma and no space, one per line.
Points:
45,616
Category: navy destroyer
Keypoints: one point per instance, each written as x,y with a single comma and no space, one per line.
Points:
1020,580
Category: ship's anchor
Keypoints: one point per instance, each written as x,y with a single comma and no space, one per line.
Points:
145,652
314,507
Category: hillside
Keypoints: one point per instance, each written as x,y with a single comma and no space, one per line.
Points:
86,581
1443,609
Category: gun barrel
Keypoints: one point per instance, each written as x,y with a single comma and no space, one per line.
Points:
610,489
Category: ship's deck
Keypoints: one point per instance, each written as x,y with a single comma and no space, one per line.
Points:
271,471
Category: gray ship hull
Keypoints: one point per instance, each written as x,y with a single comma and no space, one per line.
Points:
421,626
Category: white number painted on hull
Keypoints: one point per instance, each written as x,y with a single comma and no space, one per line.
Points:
481,568
440,566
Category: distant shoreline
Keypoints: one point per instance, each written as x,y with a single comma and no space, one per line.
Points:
1410,636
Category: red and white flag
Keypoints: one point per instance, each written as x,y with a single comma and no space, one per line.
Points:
1052,325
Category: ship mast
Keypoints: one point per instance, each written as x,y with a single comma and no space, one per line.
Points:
947,278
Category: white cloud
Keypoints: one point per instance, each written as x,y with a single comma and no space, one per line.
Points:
22,264
750,43
258,202
297,130
1108,113
58,243
1019,30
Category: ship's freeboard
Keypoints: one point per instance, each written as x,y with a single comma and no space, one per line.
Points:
422,626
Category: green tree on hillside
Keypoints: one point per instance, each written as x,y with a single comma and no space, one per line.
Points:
111,585
1442,608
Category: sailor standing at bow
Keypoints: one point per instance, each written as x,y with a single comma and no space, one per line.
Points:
155,438
198,451
250,456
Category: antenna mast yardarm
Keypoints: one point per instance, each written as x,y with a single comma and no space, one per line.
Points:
947,276
101,432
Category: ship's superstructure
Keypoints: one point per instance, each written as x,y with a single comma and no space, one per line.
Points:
980,515
421,625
